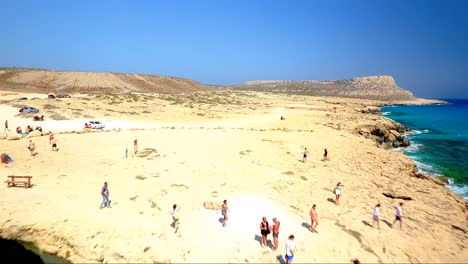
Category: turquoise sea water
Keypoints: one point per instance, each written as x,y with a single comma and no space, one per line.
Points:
439,140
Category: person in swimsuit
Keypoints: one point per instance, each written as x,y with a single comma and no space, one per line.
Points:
313,219
398,215
275,229
264,230
224,211
325,154
376,216
289,249
338,193
175,217
32,148
54,145
304,156
51,137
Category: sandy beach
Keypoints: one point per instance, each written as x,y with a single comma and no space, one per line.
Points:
210,147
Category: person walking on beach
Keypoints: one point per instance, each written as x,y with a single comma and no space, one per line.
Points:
338,193
289,249
224,211
325,154
6,126
398,215
105,196
275,231
305,154
264,230
376,216
175,217
32,148
313,219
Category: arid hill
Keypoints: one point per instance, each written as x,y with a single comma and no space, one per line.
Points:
372,87
39,80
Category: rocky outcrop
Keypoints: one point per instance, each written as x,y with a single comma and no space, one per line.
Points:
372,87
387,134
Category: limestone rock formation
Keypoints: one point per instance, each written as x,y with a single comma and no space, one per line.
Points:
372,87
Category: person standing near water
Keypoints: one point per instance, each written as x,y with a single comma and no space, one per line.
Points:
105,196
398,215
376,216
275,231
175,217
6,126
289,249
224,211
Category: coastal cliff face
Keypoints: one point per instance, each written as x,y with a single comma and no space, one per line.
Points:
93,82
372,87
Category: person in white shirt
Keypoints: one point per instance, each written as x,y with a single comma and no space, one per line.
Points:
376,216
398,215
289,249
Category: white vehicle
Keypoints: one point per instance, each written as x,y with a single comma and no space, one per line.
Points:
96,125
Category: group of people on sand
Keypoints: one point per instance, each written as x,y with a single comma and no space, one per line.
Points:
398,216
305,154
52,142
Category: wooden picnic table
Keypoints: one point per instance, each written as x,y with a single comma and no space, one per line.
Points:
19,181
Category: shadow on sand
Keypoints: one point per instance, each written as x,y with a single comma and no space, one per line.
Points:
269,243
331,200
281,259
366,223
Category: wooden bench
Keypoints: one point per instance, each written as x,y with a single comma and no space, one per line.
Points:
14,181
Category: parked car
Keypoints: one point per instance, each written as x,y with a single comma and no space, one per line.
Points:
28,109
96,124
63,96
22,99
51,96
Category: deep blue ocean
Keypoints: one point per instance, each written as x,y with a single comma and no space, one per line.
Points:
439,140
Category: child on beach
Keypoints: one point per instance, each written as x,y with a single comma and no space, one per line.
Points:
398,215
325,154
338,193
304,156
224,210
289,249
175,217
313,219
376,216
264,230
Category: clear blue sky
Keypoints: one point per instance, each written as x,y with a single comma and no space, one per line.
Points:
423,44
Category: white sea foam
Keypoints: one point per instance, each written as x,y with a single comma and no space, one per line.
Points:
386,113
460,189
413,148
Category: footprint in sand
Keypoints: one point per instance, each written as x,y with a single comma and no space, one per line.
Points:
133,198
140,177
